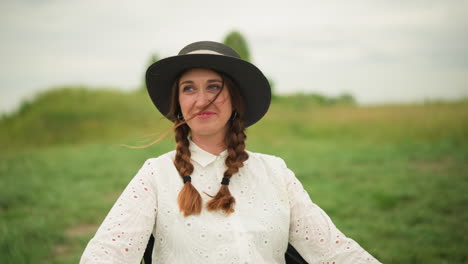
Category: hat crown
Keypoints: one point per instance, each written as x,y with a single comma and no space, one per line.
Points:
209,47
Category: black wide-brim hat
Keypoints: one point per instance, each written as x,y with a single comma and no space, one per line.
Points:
253,85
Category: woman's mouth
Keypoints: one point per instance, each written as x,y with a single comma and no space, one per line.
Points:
205,115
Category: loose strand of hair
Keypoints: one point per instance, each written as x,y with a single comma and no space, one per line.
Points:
177,122
161,137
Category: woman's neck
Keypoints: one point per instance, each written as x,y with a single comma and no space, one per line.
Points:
212,144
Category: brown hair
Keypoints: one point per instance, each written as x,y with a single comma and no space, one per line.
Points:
189,199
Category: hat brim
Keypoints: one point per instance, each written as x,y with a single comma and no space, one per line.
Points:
253,85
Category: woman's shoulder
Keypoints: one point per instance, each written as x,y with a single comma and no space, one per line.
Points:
267,159
273,167
161,160
159,165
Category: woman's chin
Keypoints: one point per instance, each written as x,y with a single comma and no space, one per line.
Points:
207,129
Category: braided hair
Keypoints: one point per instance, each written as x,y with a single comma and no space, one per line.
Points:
235,142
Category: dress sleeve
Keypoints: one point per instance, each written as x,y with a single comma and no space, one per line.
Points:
123,235
312,232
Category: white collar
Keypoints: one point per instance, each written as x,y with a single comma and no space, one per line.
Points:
202,156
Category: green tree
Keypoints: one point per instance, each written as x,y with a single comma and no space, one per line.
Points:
236,41
154,58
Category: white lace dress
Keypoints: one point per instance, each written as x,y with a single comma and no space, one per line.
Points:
272,208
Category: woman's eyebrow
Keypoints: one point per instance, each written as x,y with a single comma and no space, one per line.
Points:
208,81
188,81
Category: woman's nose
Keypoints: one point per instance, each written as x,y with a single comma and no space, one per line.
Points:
203,98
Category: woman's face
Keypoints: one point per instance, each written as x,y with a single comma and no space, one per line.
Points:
197,88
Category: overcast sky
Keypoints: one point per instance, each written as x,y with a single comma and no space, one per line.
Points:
377,50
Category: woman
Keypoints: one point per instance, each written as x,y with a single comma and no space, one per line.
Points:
211,200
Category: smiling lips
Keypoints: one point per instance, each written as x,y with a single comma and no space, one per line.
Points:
205,115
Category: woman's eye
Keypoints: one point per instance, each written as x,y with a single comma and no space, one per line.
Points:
187,89
214,87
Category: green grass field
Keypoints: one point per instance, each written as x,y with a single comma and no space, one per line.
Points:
394,178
